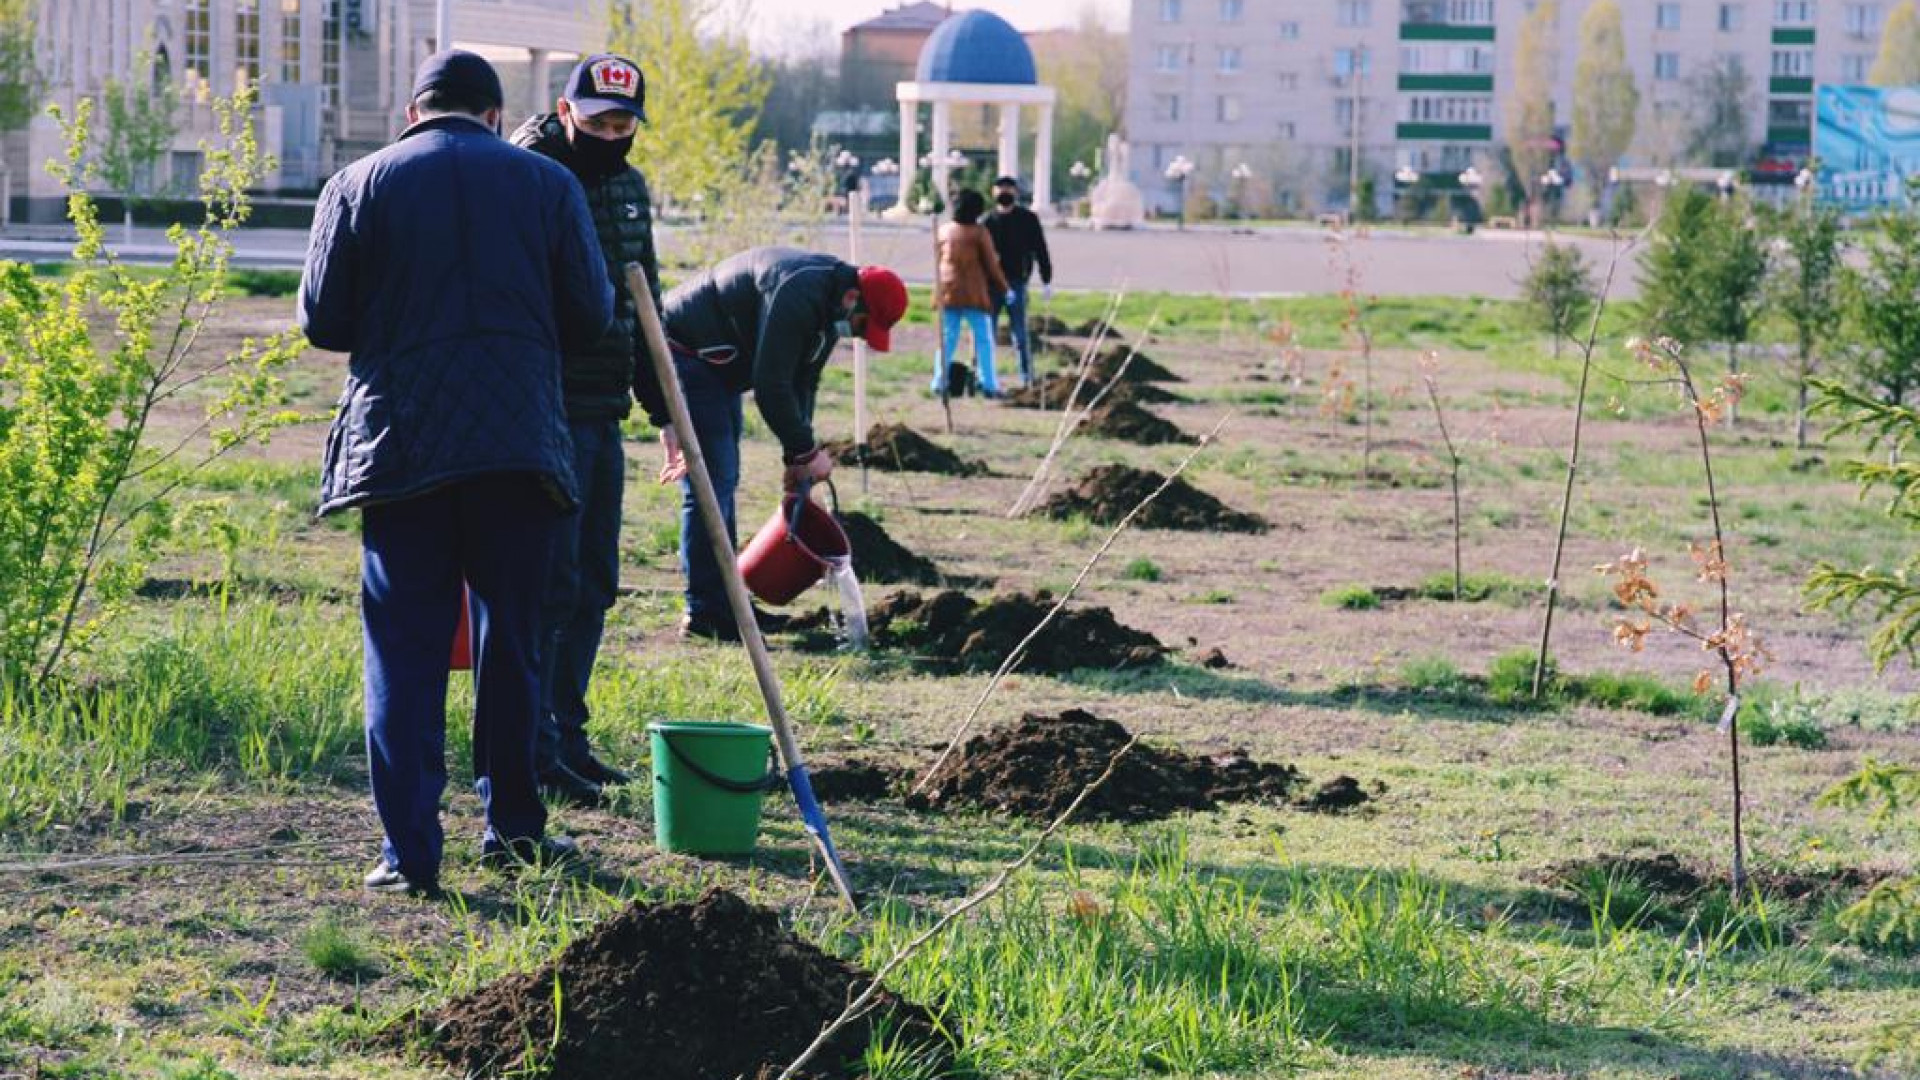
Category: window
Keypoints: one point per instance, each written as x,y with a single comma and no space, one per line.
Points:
246,38
1231,11
1285,131
1458,12
1666,66
1287,80
1449,110
1344,63
1289,31
1446,59
1793,63
1227,109
1170,11
1793,12
1343,114
1666,16
1733,17
290,41
1782,114
1854,68
330,53
197,37
1354,13
1864,20
1166,107
1167,57
1229,59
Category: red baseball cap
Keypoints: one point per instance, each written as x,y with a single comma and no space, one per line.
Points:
884,296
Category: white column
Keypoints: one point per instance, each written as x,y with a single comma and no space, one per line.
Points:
537,79
1043,164
909,155
942,140
1010,140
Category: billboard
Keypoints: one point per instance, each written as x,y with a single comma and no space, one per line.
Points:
1867,140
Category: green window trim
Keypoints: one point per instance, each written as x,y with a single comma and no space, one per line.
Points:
1783,85
1796,135
1445,132
1464,84
1793,35
1444,32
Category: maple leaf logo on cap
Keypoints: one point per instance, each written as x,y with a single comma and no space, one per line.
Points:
614,77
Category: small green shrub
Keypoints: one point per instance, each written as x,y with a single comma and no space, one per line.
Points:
1639,693
1477,588
335,951
1510,676
1215,596
1141,569
1351,598
1789,721
1433,675
264,282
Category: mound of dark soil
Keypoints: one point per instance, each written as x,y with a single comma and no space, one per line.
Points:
1215,660
953,626
1129,422
1142,368
1054,326
899,448
1052,393
879,557
855,779
1038,766
1336,795
1110,492
680,991
1662,874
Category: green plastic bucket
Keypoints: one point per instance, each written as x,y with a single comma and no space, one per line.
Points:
708,780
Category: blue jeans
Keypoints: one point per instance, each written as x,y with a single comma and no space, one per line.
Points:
980,324
1014,303
494,533
583,578
717,420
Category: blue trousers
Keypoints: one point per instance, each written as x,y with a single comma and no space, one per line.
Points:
1014,303
494,533
718,421
979,323
583,579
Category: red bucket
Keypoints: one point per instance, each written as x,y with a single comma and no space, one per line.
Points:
462,659
792,550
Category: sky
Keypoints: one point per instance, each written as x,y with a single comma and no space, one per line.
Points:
776,22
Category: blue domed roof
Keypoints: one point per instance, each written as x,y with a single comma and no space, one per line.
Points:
977,47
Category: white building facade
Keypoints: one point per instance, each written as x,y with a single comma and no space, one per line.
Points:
1298,86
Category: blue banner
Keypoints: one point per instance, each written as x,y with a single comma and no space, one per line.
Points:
1867,140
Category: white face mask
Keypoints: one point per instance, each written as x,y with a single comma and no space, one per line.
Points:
843,328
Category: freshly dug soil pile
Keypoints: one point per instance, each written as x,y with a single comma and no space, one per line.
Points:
1215,660
1338,794
1129,422
1038,766
978,636
855,780
1143,368
899,448
680,991
1054,326
879,557
1110,492
1052,393
1672,880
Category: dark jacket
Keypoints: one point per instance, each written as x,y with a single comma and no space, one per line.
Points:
454,268
765,318
598,380
1022,244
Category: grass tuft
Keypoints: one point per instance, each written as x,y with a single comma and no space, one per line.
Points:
1351,598
336,951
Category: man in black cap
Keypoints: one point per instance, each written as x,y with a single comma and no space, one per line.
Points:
591,133
454,268
1022,245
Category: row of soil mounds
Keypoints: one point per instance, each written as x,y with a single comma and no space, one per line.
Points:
1128,422
1036,767
715,988
977,635
1664,884
899,448
1054,326
1053,391
1110,492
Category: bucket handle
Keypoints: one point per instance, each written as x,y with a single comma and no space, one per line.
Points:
801,495
767,783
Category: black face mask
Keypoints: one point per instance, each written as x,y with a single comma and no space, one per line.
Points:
1005,198
594,157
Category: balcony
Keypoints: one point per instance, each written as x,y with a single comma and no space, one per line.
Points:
1446,20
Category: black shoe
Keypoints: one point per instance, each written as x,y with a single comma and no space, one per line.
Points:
560,783
709,628
583,764
386,879
525,852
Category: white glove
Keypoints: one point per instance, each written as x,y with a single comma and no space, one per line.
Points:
1046,291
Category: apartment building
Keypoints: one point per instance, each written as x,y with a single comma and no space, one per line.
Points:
332,75
1297,89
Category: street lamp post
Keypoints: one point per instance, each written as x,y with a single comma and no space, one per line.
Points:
1726,183
890,167
1080,173
1177,171
1406,181
1550,184
1241,173
1470,181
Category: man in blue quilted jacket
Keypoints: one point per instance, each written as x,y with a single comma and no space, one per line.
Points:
454,268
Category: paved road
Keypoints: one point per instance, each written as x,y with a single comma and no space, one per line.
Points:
1274,261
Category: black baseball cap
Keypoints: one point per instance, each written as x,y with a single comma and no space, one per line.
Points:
1006,181
462,73
604,82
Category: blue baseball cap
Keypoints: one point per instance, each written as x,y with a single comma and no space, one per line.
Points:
605,82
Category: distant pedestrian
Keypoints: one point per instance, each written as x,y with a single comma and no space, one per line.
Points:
454,268
971,283
591,132
1022,243
765,320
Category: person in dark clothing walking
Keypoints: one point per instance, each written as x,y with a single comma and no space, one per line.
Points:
765,320
454,268
591,133
1022,244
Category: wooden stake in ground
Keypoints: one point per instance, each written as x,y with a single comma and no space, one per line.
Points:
856,213
943,362
737,598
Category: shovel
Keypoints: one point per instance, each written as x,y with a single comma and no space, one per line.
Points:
716,529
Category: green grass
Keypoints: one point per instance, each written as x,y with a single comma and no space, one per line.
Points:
1141,569
337,951
1351,598
1477,588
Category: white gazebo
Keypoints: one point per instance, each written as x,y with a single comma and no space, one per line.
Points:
975,58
